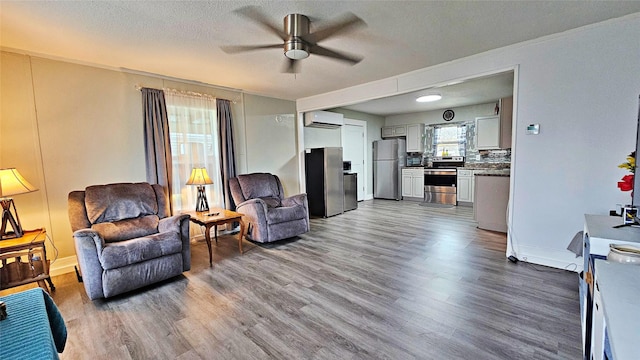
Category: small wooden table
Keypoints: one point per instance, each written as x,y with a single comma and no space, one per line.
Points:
17,273
213,218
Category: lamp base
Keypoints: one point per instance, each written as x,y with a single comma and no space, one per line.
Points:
201,201
9,219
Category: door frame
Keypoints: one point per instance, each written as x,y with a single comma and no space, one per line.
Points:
365,167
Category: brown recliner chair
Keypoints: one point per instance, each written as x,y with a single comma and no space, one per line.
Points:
268,214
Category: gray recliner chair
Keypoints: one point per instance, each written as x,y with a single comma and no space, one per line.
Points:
125,237
268,214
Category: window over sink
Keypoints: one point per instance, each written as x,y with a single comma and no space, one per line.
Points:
449,140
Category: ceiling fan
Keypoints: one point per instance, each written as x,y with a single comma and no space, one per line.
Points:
299,42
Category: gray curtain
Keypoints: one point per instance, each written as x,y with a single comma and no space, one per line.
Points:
227,155
156,138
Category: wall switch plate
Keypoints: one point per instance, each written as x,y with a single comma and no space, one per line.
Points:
533,129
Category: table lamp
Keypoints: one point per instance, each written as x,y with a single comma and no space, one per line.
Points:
200,177
11,183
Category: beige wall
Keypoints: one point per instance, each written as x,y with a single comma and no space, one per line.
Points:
270,134
65,126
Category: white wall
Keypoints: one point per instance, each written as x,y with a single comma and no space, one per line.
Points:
582,87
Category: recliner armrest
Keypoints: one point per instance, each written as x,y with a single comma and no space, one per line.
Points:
89,245
90,238
299,199
253,203
180,224
254,213
172,223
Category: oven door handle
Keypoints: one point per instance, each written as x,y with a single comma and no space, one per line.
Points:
439,172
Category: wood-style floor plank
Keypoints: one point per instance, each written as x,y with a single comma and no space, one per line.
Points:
390,280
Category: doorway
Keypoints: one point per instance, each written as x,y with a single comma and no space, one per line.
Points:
354,150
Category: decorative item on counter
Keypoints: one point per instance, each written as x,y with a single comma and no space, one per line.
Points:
629,213
625,254
627,181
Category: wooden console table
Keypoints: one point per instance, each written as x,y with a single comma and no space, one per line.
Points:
36,269
213,218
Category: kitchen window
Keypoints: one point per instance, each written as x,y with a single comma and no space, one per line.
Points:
449,140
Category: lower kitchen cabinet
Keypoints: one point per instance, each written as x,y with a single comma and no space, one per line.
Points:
413,184
465,187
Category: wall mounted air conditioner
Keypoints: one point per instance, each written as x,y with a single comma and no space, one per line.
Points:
323,119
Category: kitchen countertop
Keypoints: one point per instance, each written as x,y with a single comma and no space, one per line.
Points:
619,292
486,166
503,172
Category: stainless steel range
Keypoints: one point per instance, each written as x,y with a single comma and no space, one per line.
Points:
440,180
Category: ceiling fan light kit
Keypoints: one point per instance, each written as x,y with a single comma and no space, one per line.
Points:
298,40
296,26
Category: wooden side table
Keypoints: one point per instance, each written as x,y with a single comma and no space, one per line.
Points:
213,218
18,273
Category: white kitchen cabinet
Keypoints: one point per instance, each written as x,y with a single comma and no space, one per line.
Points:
394,131
494,132
413,183
415,138
488,132
465,187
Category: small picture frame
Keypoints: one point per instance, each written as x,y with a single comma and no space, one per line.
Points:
629,214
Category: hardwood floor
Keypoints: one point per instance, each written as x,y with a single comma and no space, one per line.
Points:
390,280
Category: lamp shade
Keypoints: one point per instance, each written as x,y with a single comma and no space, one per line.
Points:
199,176
12,183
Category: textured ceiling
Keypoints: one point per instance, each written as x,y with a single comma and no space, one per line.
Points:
182,39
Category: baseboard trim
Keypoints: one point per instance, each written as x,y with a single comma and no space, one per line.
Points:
558,263
63,266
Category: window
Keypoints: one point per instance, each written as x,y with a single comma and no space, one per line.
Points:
193,131
449,140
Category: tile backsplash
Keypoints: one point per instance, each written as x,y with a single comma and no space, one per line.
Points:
472,155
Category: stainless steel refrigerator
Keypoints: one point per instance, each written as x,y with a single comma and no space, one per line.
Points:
388,161
325,182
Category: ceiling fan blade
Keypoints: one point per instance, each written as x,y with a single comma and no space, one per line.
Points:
233,49
291,66
348,23
322,51
254,14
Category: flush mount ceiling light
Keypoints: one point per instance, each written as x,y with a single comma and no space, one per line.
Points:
429,98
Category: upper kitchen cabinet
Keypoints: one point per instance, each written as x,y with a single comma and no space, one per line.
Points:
415,138
394,131
494,132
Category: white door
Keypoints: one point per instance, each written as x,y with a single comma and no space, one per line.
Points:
353,149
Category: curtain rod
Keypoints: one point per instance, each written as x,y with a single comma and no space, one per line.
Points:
190,93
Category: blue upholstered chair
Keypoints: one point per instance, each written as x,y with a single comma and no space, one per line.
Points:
125,237
268,214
